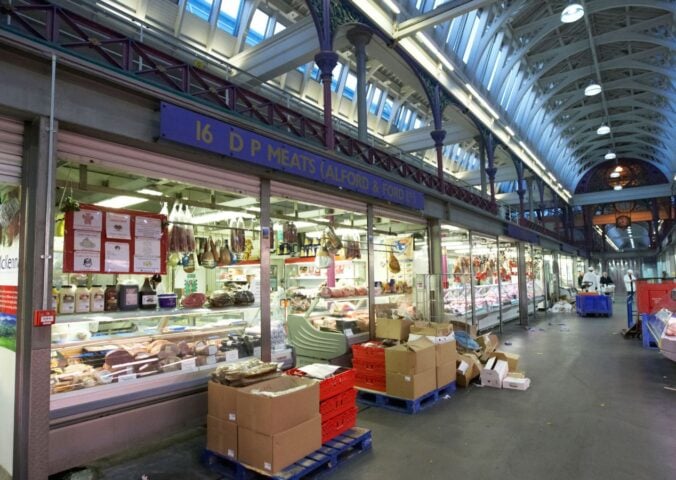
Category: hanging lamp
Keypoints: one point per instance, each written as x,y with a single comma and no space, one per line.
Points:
592,89
572,13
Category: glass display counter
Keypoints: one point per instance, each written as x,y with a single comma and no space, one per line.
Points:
98,356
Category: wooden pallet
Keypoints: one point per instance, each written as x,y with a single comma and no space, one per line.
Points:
330,456
381,400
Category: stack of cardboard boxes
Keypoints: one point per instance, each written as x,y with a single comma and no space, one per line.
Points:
266,426
441,334
411,369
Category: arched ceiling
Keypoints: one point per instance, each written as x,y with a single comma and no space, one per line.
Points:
530,68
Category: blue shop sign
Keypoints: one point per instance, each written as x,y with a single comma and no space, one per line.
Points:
187,127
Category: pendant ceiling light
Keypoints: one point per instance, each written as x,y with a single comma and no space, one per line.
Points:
603,129
592,89
614,174
572,13
610,155
617,187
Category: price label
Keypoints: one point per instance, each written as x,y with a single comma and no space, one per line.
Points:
231,356
348,332
129,377
189,365
257,352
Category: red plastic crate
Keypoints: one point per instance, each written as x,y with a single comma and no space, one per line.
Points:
337,403
332,386
371,381
368,351
371,365
339,424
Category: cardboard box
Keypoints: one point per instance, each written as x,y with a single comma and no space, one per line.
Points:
222,401
465,327
468,368
446,374
512,359
494,373
410,358
445,353
271,415
515,383
394,328
488,343
436,340
432,329
411,387
222,437
273,453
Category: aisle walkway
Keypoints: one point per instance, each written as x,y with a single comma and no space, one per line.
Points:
597,408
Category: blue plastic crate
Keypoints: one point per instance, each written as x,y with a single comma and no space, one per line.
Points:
647,337
593,305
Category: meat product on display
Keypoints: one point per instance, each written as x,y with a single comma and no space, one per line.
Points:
118,359
170,364
393,263
194,300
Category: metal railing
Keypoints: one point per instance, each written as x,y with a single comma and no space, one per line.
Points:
140,53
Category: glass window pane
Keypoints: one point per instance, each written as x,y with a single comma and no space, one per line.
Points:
350,86
200,8
259,22
375,100
279,27
228,17
387,109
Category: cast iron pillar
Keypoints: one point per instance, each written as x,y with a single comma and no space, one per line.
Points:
654,207
529,184
327,61
489,143
360,37
438,137
482,164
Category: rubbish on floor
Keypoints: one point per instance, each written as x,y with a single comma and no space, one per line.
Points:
508,343
561,307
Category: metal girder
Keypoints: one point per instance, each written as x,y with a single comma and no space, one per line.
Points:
629,33
561,54
542,28
626,194
495,28
290,48
457,130
512,198
473,177
443,13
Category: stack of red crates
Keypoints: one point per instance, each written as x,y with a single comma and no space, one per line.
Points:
368,360
337,402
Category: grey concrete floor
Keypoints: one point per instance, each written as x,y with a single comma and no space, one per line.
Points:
597,409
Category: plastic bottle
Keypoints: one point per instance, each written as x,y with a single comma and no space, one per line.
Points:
82,299
97,299
67,299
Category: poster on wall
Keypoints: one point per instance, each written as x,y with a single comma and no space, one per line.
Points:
10,214
9,266
104,240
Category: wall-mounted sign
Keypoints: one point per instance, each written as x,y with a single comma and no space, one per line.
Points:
184,126
100,240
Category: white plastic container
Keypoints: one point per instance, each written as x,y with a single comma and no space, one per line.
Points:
67,299
97,298
82,303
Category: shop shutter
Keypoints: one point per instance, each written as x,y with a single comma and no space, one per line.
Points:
399,216
78,148
278,189
11,150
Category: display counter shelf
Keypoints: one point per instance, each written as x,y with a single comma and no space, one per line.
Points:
147,314
77,402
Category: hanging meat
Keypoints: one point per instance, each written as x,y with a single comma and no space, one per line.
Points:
393,263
